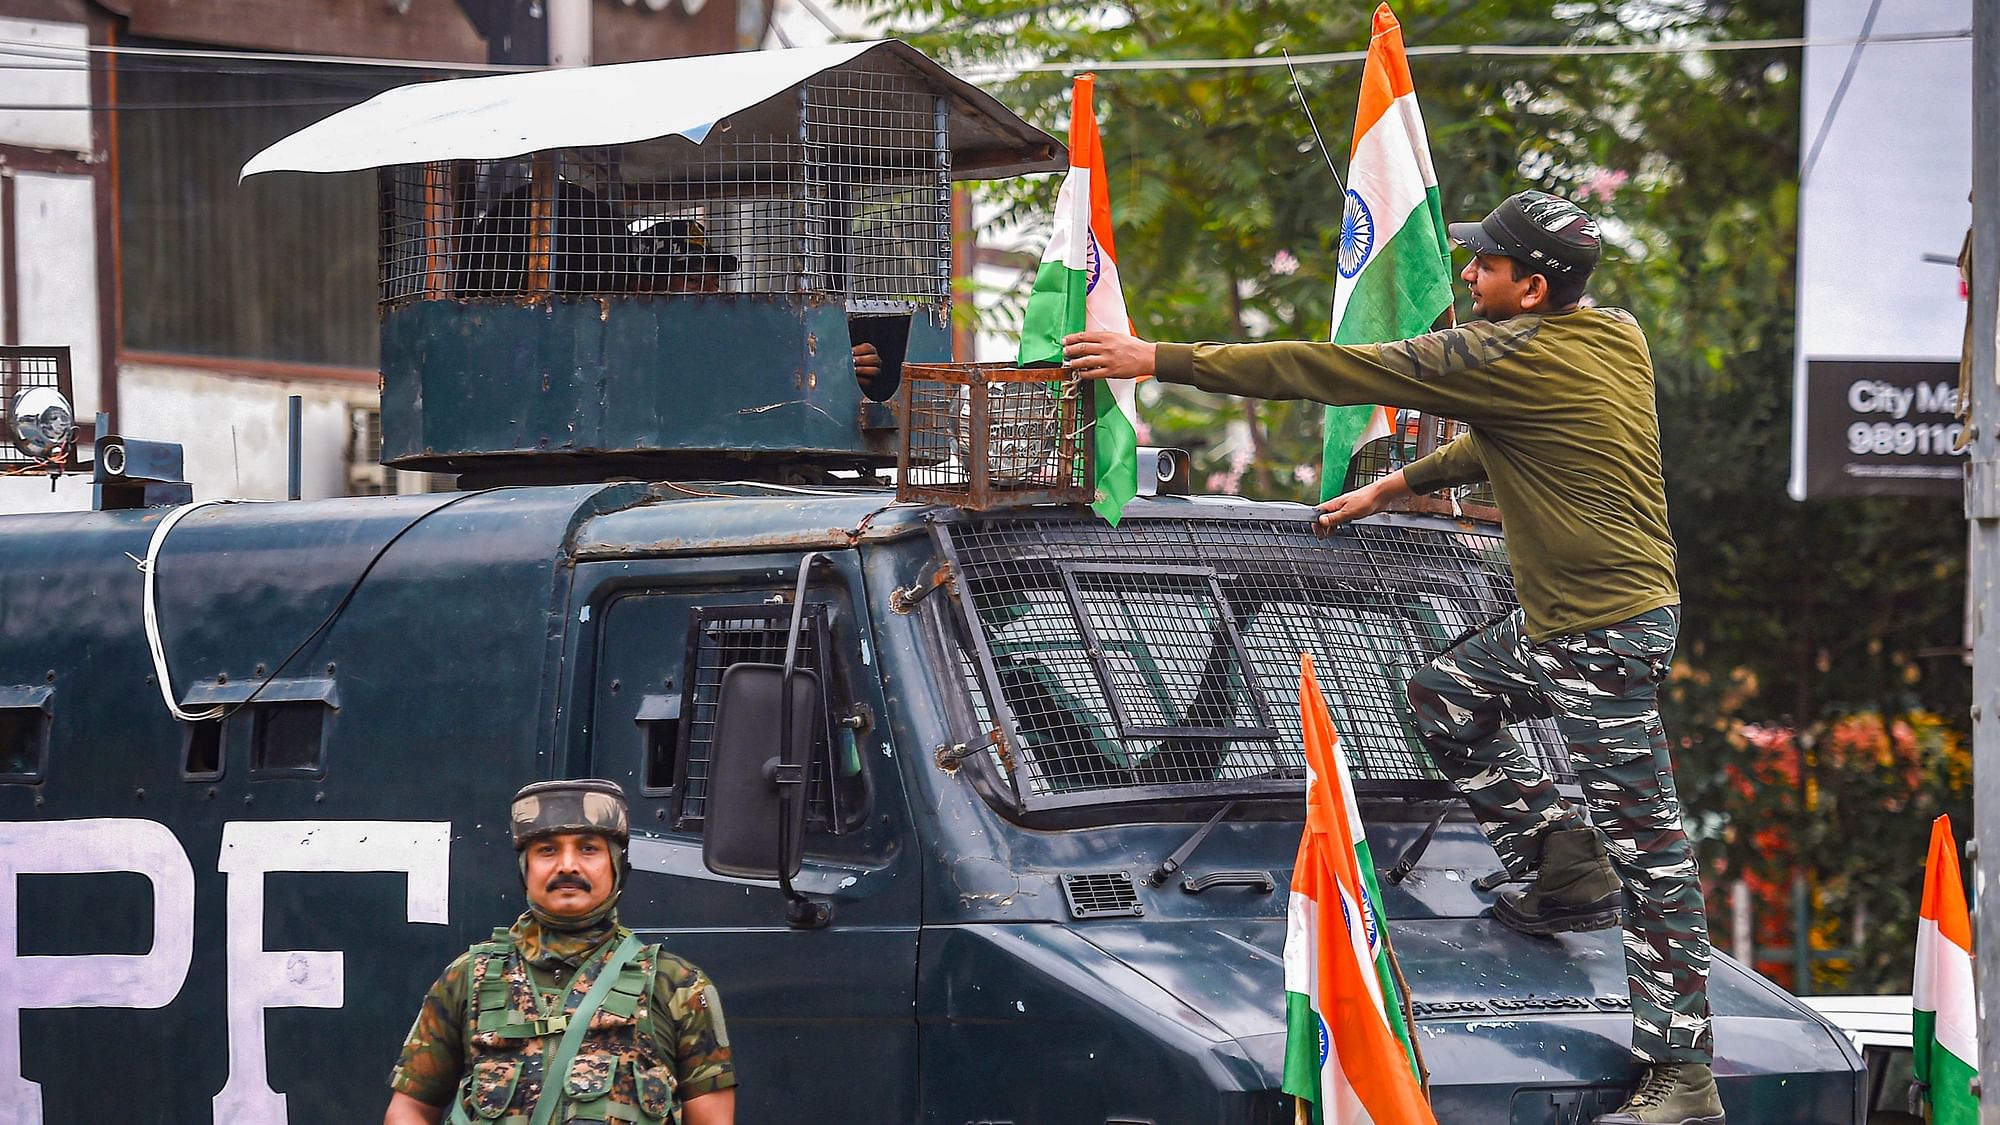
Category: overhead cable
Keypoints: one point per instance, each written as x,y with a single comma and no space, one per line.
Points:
1472,50
50,50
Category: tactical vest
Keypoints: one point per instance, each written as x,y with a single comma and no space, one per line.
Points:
617,1074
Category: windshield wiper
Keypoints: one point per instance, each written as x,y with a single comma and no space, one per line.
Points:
1173,862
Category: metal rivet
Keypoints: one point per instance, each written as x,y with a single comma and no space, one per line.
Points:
260,669
222,678
329,667
139,794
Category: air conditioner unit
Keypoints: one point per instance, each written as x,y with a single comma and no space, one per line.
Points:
365,474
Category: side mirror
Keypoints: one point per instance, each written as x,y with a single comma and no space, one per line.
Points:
754,823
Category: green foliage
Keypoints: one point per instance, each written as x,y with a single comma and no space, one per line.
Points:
1805,612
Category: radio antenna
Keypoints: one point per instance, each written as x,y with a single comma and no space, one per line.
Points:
1307,106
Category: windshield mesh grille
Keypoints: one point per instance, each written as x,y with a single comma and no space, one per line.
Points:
1161,658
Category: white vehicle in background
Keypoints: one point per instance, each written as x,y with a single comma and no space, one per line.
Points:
1880,1029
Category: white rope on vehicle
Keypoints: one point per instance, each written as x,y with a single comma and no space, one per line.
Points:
149,566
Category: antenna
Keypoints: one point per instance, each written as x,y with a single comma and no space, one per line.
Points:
1303,104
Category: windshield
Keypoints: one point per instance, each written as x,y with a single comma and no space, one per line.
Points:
1162,659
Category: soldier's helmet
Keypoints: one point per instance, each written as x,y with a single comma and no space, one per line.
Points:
585,804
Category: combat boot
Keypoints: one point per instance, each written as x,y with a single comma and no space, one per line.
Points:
1672,1094
1574,890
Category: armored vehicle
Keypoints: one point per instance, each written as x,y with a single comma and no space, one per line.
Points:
1045,773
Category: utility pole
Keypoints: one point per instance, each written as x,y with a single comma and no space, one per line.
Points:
1982,510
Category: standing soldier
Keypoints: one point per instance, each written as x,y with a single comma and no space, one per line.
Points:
634,1033
1560,401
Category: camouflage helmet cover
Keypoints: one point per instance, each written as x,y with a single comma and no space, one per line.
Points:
583,805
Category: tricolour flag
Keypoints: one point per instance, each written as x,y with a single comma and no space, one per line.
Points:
1395,264
1076,288
1347,1048
1945,1038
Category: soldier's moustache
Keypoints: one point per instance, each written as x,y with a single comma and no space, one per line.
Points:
568,880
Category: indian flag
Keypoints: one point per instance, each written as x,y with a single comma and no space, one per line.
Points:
1395,264
1945,1038
1076,289
1347,1049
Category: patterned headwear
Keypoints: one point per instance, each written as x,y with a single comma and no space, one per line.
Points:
1544,232
583,805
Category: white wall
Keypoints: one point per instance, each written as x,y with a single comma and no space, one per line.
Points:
232,428
66,130
55,247
232,433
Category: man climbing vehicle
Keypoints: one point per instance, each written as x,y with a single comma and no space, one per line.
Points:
1560,400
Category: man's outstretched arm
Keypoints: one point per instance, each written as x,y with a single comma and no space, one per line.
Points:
1438,373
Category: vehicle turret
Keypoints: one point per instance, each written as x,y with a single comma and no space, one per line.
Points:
660,267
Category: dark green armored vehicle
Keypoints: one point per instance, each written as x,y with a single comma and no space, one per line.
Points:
252,791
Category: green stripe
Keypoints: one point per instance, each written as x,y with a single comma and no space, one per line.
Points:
1302,1049
1399,294
1117,458
1055,309
1391,995
1949,1076
1405,285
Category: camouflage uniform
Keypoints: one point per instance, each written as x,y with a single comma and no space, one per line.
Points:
1601,685
648,1049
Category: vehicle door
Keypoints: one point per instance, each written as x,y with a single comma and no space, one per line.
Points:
808,1010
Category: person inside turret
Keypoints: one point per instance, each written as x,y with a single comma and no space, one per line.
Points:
635,1033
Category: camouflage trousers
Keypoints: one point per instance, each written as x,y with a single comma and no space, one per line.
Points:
1602,688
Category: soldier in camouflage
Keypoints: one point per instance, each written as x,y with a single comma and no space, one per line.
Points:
653,1047
1559,396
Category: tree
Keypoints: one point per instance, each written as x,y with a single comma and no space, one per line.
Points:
1227,216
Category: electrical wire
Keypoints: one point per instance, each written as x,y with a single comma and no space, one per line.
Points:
1469,50
34,48
150,567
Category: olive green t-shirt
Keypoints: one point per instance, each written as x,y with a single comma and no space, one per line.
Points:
1563,425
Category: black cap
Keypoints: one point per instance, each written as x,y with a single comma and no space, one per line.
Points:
1544,232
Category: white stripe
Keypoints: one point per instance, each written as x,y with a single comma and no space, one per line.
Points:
1943,984
1301,967
1391,172
1066,242
1104,310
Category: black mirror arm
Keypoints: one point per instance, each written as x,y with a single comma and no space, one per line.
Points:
801,912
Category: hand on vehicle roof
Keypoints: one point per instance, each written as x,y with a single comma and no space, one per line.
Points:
1364,501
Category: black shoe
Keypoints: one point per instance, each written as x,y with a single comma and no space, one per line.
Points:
1574,890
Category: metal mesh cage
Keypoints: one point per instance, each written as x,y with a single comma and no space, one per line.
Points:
1162,658
1415,435
986,435
21,368
719,636
842,191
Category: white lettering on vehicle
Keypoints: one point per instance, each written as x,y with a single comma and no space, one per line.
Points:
97,980
258,979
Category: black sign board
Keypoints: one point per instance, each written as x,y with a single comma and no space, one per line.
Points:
1880,427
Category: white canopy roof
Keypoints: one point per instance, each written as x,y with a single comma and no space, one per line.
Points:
507,115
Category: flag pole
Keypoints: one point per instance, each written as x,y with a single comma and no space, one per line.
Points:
1409,1013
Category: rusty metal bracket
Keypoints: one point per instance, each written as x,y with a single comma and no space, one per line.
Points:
904,599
